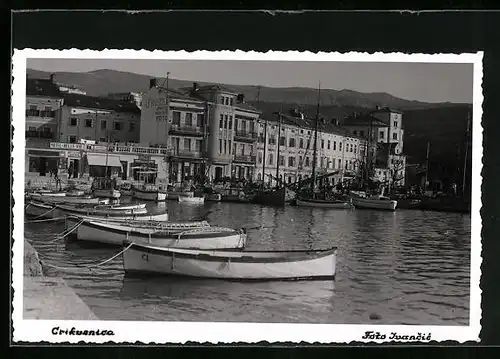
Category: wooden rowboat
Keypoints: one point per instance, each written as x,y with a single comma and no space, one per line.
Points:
374,202
173,235
122,207
231,265
149,194
191,200
69,199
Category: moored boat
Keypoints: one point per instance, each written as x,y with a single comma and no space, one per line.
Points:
231,265
107,193
373,202
105,187
175,195
191,200
320,203
122,207
149,194
172,235
75,193
68,199
213,197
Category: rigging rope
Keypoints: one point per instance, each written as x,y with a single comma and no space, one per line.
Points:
89,266
44,214
45,220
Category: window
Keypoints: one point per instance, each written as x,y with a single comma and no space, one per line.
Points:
381,134
300,161
333,163
187,144
329,143
340,146
234,148
270,159
272,140
259,157
282,160
73,121
354,132
132,127
252,127
176,118
282,141
242,149
220,145
117,126
307,161
221,121
226,118
334,145
395,123
350,148
225,146
188,119
291,161
72,139
222,100
322,144
227,101
235,124
243,125
103,124
340,164
231,101
321,162
32,129
291,142
199,120
301,143
394,136
308,143
251,149
362,133
355,149
230,122
198,145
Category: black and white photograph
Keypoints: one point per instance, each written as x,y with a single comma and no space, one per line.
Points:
237,197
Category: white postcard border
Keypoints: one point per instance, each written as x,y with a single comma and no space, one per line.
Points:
203,332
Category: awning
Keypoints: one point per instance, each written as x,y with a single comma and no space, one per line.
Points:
100,160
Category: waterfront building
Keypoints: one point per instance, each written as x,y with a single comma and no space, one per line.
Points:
385,128
338,153
208,130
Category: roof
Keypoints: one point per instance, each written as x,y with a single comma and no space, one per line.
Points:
247,107
181,94
364,120
214,88
103,103
386,109
42,87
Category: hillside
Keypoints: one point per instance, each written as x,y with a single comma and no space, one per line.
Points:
101,82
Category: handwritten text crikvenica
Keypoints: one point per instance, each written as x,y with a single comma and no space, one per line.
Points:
74,331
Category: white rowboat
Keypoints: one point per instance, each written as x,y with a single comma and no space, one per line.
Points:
173,235
374,202
191,200
231,265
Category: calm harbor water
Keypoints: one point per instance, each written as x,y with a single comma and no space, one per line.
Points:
407,267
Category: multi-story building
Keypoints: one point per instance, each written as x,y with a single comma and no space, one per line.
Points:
383,126
209,131
99,119
337,153
43,113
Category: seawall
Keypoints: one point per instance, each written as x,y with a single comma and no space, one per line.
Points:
49,298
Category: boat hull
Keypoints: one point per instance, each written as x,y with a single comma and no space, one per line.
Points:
149,196
367,203
175,195
214,197
323,204
107,233
107,193
70,199
226,265
191,200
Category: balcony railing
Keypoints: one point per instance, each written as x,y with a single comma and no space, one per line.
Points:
244,159
186,153
111,148
186,130
246,135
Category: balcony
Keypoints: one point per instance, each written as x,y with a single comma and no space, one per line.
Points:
112,148
244,159
185,153
245,136
40,134
186,130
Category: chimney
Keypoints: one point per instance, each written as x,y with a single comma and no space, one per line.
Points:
195,86
152,83
52,78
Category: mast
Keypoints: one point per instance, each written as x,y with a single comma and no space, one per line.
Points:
313,183
466,154
427,164
264,155
278,152
107,152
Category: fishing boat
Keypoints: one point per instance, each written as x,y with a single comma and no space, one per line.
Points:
52,210
191,200
378,201
149,193
122,207
126,189
175,195
104,187
49,193
69,199
230,265
75,193
172,235
338,204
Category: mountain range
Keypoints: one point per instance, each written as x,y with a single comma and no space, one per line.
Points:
443,125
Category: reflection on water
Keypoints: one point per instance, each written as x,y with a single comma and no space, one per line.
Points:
409,267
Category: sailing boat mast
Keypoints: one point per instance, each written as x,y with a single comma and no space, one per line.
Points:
313,183
278,152
427,165
264,155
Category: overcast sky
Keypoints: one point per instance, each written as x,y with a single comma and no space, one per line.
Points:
413,81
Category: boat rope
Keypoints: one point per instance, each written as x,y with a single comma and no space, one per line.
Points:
67,232
91,265
45,220
26,207
44,214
